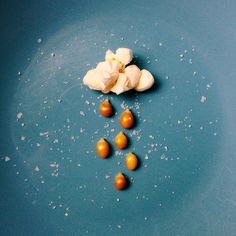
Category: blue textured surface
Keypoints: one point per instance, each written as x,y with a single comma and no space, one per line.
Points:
52,182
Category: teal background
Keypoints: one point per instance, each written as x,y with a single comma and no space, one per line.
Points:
54,184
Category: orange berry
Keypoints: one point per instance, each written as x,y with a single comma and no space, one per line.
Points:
131,161
120,181
127,119
105,108
121,140
102,148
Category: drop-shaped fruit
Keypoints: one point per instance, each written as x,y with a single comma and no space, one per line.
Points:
127,119
120,181
131,161
121,140
102,148
105,108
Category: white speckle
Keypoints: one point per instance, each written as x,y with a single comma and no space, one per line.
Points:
82,130
82,113
117,199
194,73
181,55
203,99
53,54
146,157
119,226
22,138
56,141
39,40
38,144
190,61
107,176
106,125
160,44
7,158
19,73
151,136
166,148
145,218
44,133
66,214
36,168
19,115
215,134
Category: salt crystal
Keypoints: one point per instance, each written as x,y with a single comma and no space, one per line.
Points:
203,99
7,158
19,115
39,40
82,113
36,168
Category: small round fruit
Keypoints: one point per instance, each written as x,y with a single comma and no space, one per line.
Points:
105,108
127,119
121,140
120,181
102,148
131,161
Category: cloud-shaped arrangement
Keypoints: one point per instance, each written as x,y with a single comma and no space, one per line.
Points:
112,75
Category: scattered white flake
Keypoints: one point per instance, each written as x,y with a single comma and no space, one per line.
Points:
215,134
38,144
56,141
117,199
22,138
19,73
82,130
53,54
36,168
39,40
146,157
82,113
106,125
160,44
164,157
107,176
190,61
119,226
194,73
66,214
166,148
19,115
181,55
151,136
145,218
203,99
44,133
7,158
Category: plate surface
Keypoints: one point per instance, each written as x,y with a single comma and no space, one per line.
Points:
53,183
